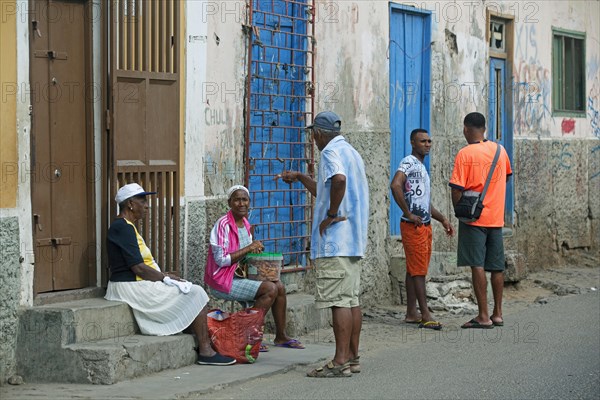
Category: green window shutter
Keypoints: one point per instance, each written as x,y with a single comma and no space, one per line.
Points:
557,81
579,78
569,73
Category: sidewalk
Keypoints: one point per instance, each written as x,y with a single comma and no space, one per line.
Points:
177,383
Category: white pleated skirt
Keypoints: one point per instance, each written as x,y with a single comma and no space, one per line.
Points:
159,309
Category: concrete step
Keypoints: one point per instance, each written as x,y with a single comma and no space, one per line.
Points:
302,315
93,341
97,341
87,320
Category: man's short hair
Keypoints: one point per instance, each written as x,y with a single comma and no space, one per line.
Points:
415,131
475,120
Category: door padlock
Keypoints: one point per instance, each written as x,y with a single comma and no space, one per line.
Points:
57,173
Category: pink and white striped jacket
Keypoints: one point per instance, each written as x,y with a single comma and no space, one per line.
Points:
223,241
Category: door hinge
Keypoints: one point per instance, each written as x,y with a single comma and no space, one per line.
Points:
108,118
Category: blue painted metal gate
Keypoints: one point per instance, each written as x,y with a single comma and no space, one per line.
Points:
410,74
499,124
280,91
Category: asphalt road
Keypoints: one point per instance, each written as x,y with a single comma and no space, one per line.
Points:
549,351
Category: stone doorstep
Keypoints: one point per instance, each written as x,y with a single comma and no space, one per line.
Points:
86,320
112,360
96,341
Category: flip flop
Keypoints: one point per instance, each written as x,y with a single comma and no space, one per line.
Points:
290,344
264,348
413,322
473,324
498,323
431,325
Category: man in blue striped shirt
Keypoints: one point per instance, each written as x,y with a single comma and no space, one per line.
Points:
339,237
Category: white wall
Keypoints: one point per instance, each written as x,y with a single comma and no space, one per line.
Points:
223,101
194,48
23,209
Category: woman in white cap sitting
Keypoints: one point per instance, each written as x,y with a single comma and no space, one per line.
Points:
230,241
162,304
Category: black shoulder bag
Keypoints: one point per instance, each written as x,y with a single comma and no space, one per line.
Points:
470,205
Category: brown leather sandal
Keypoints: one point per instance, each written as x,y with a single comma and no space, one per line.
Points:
330,370
354,365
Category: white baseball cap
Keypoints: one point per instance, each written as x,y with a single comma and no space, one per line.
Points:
130,190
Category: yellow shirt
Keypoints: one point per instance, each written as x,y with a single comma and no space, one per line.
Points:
144,250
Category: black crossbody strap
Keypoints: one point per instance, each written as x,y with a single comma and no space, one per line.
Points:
489,177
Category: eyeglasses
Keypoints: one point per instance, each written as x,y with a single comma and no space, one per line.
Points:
425,141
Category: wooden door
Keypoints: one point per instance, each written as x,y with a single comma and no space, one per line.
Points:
410,76
62,214
500,118
144,43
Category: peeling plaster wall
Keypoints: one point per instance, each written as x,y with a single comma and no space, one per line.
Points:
352,75
223,101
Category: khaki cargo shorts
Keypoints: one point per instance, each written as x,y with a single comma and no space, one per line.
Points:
338,282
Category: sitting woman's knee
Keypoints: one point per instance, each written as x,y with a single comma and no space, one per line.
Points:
269,289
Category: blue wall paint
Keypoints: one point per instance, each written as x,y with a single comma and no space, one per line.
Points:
410,82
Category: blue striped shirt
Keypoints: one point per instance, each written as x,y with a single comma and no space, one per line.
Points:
345,238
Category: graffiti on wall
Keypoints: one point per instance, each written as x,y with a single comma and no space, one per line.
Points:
594,114
526,45
593,108
532,86
532,89
568,126
562,155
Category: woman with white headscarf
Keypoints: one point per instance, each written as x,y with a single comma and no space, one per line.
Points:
230,241
163,304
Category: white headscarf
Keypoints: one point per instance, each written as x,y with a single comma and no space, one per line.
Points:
232,189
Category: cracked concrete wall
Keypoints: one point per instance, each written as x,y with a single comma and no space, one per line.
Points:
10,283
557,199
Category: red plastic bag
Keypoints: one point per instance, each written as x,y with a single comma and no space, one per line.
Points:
237,335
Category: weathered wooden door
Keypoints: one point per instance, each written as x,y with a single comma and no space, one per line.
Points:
410,75
500,112
61,171
144,109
